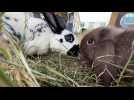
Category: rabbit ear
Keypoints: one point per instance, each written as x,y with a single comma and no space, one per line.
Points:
110,33
61,22
49,17
56,23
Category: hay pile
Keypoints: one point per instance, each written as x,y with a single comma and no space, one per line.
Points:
62,70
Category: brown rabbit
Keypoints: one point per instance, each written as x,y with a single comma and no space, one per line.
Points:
104,46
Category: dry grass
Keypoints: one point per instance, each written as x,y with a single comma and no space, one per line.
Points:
70,73
66,71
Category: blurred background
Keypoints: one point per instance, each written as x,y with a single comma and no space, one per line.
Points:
81,21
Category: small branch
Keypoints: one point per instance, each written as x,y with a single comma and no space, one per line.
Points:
126,65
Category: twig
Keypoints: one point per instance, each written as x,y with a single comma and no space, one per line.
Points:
126,65
28,69
117,66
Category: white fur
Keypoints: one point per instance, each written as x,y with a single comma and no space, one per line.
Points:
55,45
40,42
19,25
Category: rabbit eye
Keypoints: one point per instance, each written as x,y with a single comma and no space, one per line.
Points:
69,38
91,42
61,40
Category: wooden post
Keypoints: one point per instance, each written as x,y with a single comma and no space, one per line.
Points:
114,18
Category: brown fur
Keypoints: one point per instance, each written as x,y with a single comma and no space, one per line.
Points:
116,43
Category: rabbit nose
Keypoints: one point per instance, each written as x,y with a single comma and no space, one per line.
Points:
74,51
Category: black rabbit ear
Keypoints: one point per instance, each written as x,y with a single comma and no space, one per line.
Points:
56,23
61,22
49,17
